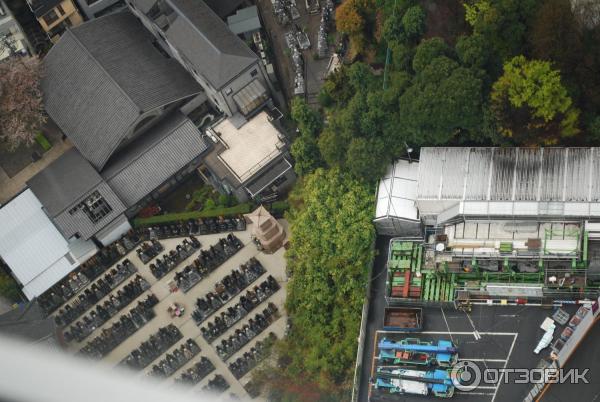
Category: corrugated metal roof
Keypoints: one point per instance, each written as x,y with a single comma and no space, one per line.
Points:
31,245
510,174
149,162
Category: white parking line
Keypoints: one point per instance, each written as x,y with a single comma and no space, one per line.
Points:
473,393
462,333
475,332
447,326
505,363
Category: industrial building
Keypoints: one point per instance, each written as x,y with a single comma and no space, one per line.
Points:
492,222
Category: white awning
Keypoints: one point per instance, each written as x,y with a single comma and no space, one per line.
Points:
397,191
36,252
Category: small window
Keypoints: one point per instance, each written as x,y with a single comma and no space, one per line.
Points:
50,17
95,207
254,73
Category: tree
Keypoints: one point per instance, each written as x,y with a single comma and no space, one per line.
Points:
329,256
306,154
472,51
503,24
405,24
21,107
309,121
531,104
348,18
444,100
362,158
413,22
428,50
555,36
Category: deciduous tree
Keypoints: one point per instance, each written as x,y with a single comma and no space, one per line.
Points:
306,154
329,256
21,106
444,100
309,121
531,104
428,50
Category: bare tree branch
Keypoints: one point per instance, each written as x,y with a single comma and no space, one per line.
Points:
21,105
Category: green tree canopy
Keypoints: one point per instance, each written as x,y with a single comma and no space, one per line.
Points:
531,104
472,51
428,50
444,100
329,256
308,120
413,22
306,154
406,23
503,23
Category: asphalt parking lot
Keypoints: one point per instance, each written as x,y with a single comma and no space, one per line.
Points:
490,337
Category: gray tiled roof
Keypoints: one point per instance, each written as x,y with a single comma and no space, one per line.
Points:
207,43
63,182
147,163
78,222
101,76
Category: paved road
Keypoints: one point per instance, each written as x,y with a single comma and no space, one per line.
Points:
375,314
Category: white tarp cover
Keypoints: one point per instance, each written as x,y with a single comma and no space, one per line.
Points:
398,191
31,245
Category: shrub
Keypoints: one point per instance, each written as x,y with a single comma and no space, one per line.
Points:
43,142
9,288
177,217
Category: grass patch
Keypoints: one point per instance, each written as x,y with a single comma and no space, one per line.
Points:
43,142
209,213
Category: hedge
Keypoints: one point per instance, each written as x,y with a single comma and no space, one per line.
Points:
279,207
183,216
43,142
